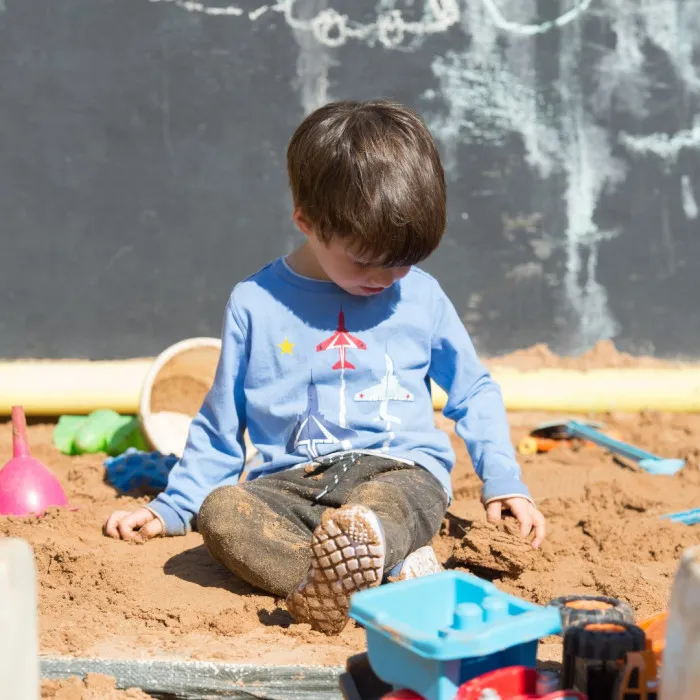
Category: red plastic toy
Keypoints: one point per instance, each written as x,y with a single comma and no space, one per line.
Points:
512,683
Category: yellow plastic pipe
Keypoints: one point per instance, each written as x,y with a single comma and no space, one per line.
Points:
55,387
597,390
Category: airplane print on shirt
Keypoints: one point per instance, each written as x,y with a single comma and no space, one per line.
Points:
389,389
340,340
312,429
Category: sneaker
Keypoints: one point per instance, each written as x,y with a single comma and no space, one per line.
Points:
422,562
347,555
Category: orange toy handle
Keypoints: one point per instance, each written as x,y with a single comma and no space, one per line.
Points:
532,445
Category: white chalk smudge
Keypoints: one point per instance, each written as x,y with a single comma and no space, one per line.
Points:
670,27
620,78
200,8
484,103
590,167
256,14
690,205
515,27
665,146
314,61
525,271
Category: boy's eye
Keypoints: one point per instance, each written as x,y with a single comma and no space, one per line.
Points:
359,263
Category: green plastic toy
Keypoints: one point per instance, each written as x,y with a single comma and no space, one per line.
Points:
64,433
103,430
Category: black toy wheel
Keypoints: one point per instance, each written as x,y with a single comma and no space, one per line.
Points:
592,652
589,608
603,641
366,682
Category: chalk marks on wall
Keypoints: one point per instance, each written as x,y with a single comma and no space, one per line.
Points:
332,28
495,88
390,28
198,7
524,29
668,148
492,83
690,205
665,146
314,61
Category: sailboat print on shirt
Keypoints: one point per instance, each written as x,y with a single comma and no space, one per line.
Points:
312,429
389,389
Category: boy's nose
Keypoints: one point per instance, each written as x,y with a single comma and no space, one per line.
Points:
385,277
382,278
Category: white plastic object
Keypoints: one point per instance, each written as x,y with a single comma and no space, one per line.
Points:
680,677
166,430
19,646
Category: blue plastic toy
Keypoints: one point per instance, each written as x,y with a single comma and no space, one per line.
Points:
686,517
647,461
143,471
432,634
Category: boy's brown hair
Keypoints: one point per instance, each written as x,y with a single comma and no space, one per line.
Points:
369,172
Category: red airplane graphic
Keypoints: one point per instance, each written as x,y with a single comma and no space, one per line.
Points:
341,339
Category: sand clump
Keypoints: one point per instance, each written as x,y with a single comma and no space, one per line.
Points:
95,686
168,598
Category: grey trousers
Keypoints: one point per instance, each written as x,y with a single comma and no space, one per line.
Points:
261,529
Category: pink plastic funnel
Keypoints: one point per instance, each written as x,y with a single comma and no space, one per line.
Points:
26,485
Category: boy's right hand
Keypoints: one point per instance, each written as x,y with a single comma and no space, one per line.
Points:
139,524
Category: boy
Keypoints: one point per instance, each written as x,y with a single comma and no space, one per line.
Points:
326,360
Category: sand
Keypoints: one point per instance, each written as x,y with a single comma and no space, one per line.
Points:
167,598
602,355
95,686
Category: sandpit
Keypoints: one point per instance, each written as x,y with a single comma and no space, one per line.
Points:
106,598
102,598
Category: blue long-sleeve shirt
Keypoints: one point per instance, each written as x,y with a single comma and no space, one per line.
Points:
309,369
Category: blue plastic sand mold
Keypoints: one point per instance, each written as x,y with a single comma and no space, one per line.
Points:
432,634
686,517
647,461
147,471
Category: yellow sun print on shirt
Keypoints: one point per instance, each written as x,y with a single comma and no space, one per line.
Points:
286,347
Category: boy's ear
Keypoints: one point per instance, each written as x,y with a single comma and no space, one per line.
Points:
302,222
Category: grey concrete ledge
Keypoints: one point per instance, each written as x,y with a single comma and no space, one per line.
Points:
201,680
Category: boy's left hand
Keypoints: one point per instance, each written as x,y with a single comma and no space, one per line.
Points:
525,511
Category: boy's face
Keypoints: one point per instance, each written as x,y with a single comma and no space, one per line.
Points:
347,269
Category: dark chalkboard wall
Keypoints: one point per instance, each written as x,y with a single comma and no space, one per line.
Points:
142,169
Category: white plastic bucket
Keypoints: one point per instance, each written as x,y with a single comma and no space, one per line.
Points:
173,392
